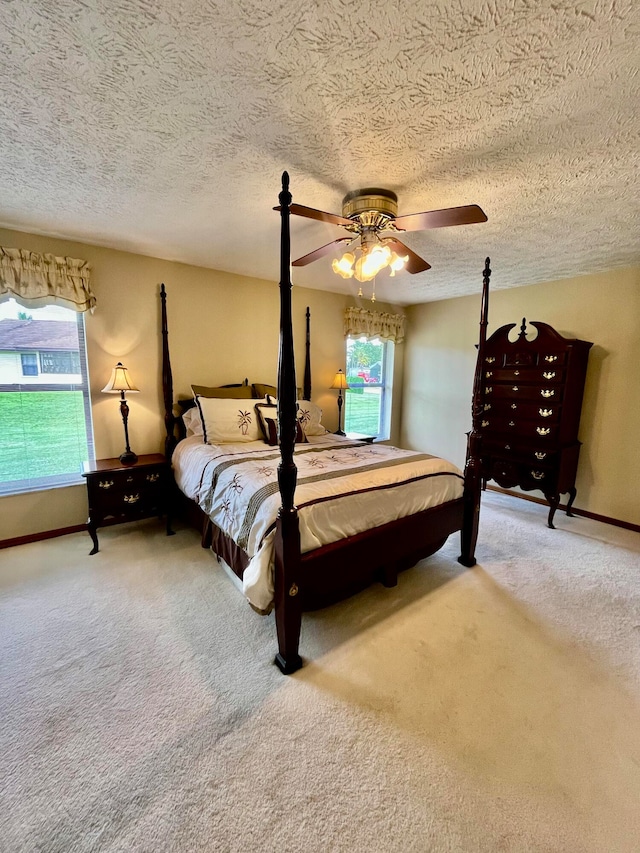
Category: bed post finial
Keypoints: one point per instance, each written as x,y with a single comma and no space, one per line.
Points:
287,542
472,469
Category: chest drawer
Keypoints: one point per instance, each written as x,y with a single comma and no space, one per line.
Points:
531,411
522,453
520,428
518,391
509,472
536,375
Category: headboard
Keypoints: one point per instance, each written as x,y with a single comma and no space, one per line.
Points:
174,425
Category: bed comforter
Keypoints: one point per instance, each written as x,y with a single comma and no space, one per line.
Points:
344,487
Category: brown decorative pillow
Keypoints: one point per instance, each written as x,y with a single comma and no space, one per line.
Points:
228,392
261,391
267,418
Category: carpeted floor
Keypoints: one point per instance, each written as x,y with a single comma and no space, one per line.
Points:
492,709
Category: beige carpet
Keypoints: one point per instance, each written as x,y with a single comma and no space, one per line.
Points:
493,709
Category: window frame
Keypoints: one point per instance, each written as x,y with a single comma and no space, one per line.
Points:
36,364
385,384
67,478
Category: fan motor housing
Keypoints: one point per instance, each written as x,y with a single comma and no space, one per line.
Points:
370,206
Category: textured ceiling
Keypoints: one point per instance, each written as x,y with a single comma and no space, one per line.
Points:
163,126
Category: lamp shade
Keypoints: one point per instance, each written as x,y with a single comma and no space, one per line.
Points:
340,381
120,381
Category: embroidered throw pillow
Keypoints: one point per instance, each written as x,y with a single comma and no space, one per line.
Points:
310,417
227,421
267,417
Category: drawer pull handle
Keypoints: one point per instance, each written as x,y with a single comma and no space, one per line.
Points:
485,423
490,359
105,484
545,413
551,358
546,392
512,423
514,405
516,373
515,388
131,499
543,430
507,447
540,454
487,406
488,390
549,374
152,478
537,475
489,374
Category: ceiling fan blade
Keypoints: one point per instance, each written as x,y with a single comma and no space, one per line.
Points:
320,253
466,215
320,215
415,263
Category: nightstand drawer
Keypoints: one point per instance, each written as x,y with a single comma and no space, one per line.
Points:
122,500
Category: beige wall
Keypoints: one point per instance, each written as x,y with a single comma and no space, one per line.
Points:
222,328
602,308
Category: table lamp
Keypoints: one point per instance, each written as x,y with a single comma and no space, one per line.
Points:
340,382
120,382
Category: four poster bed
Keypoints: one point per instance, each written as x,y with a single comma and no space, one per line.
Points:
363,512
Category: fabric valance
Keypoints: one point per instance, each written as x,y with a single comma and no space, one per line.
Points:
37,280
373,324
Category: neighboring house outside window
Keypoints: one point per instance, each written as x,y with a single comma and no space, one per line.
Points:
370,378
45,411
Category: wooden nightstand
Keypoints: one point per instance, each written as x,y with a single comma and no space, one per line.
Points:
127,492
358,436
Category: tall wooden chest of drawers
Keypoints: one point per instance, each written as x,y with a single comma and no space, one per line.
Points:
531,394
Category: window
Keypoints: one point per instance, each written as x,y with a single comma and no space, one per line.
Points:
60,362
370,377
45,412
29,364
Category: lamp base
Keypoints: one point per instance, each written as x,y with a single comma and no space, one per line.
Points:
128,458
339,432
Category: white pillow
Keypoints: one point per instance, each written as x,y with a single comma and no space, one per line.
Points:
310,417
193,422
225,420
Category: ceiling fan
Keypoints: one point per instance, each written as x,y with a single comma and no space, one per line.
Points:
368,214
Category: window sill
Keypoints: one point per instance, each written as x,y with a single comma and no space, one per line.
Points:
21,487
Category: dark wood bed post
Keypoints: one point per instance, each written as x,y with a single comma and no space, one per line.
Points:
472,475
306,392
167,381
287,542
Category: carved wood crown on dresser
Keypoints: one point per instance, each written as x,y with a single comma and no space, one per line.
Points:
530,411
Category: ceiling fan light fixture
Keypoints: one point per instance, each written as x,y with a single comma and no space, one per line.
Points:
344,266
396,263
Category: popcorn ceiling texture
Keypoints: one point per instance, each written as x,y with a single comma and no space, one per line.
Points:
162,127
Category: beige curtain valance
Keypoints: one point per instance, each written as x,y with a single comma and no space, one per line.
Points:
37,280
372,324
